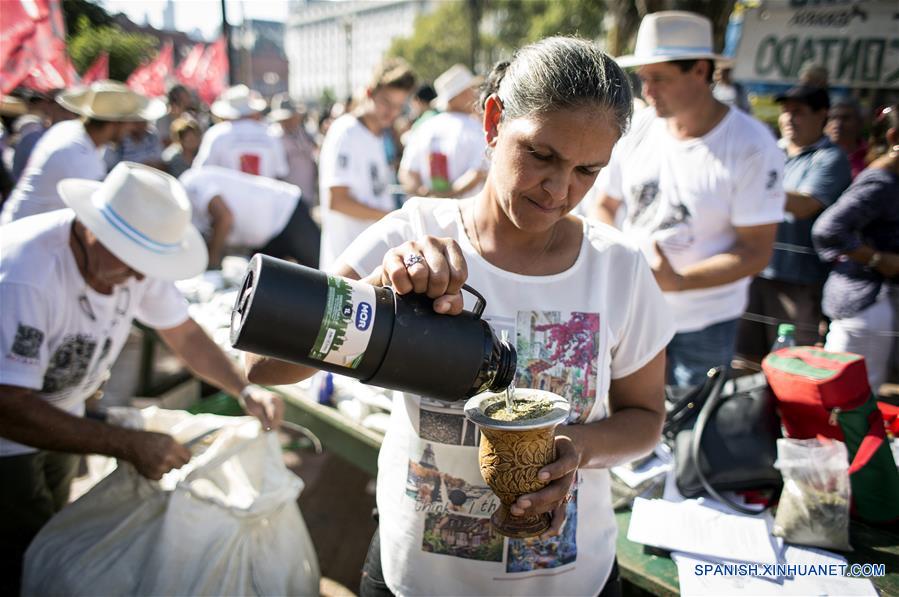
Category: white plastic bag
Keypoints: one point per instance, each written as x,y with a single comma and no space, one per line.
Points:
814,504
226,523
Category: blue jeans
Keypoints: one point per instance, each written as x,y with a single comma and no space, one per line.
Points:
690,355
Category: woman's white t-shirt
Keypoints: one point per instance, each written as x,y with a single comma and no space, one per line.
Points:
603,318
354,157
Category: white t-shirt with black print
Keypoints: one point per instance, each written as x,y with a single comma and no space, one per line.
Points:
351,156
603,318
58,336
690,195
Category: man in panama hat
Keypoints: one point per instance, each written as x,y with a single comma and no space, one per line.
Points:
702,185
74,148
71,282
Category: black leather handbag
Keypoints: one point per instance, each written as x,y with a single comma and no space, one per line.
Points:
733,438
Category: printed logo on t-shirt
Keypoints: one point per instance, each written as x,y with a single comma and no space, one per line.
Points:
250,163
27,343
377,185
663,216
343,161
68,365
772,180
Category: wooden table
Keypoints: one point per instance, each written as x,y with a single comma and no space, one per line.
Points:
656,574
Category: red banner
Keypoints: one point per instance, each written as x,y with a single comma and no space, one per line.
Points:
32,46
212,72
98,71
188,71
150,78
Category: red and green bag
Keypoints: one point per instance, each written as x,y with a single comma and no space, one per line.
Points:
827,393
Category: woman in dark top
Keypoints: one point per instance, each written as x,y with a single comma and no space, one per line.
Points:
859,235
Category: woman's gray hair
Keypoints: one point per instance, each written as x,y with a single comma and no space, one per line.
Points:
559,73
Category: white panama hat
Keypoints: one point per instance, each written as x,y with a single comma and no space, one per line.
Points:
452,82
111,101
237,102
142,215
672,35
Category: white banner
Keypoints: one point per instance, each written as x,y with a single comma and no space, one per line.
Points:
858,41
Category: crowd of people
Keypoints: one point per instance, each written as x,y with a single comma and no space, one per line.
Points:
682,227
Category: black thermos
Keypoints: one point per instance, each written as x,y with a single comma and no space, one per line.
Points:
302,315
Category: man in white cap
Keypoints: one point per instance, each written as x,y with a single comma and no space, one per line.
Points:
702,184
71,281
353,171
74,148
242,142
445,156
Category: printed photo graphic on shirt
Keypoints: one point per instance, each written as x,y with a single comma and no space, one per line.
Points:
378,186
68,365
445,423
439,492
462,537
527,555
559,353
27,343
668,220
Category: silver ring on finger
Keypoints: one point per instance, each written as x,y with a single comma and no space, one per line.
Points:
413,259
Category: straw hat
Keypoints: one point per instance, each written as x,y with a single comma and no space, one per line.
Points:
672,35
453,82
142,215
111,101
237,102
283,108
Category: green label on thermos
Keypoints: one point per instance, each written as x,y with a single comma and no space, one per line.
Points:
347,323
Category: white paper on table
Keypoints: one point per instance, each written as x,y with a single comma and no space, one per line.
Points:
634,477
691,527
693,585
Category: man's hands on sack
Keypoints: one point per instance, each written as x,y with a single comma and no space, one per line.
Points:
154,454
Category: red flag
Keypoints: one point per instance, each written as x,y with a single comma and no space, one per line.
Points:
212,72
187,72
32,46
98,71
150,78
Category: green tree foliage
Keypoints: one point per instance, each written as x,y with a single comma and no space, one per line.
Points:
90,30
126,50
440,40
444,37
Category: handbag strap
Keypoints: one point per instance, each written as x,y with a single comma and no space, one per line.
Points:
708,410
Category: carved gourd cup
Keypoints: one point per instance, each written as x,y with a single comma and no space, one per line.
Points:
512,453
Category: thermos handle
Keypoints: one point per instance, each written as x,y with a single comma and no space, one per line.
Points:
479,304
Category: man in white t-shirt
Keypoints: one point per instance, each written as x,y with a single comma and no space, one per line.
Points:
231,208
71,282
74,148
702,184
242,142
445,156
353,170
